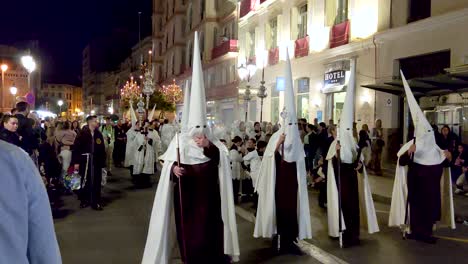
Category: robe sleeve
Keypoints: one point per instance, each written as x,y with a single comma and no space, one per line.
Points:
212,152
404,159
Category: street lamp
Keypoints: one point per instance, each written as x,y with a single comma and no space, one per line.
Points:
245,73
4,68
30,65
13,91
60,103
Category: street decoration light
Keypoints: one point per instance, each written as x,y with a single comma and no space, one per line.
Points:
262,94
30,65
60,103
245,73
13,91
172,92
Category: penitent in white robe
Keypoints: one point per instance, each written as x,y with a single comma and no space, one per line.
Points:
130,148
162,231
366,203
144,158
265,223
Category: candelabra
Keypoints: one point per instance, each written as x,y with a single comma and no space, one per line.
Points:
262,94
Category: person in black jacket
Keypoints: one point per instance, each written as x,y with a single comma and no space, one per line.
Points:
8,130
29,141
90,141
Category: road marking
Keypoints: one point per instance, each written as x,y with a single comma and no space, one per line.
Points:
463,240
319,254
307,248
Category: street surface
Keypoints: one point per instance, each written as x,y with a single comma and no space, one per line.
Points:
117,235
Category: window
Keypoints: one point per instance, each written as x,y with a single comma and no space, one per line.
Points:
273,34
303,98
419,9
336,12
202,9
302,22
189,17
251,44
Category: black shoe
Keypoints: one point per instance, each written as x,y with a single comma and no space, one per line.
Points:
293,249
84,204
97,207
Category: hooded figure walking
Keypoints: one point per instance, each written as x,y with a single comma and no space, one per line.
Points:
422,191
194,201
348,188
283,203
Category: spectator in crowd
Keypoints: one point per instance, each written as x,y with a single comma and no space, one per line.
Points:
65,139
119,144
457,168
90,143
355,132
14,111
8,130
29,141
447,139
365,143
108,133
377,147
27,228
235,155
310,147
259,134
323,138
76,127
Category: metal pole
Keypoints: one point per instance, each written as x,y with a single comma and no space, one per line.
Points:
261,109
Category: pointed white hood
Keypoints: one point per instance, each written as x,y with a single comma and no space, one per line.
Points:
293,148
151,114
197,114
427,151
133,117
186,109
345,126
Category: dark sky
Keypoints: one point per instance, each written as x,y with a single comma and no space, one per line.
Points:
64,27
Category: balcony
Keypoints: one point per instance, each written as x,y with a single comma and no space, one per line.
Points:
339,34
247,6
273,56
224,48
301,47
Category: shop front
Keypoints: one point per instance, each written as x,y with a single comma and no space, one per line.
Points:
335,82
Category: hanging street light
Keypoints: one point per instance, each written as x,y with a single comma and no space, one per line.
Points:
60,103
245,73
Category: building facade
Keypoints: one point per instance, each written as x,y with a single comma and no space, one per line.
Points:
174,25
70,95
322,36
17,76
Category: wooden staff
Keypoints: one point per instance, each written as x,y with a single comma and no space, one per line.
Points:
180,199
338,183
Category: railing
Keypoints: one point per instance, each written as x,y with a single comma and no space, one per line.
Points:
339,34
273,56
247,6
301,47
224,48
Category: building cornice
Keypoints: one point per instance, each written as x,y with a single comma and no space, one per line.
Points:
427,24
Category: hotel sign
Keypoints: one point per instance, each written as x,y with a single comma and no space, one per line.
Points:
334,81
335,77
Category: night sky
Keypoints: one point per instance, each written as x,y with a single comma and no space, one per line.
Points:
64,27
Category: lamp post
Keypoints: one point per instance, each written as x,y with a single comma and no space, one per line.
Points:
30,65
13,91
245,73
60,103
4,68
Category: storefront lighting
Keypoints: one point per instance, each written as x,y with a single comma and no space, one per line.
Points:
317,102
365,20
366,98
319,87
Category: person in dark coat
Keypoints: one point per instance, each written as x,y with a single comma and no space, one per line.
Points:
29,139
8,130
90,141
119,145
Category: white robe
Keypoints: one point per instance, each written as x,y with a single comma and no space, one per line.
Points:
144,158
236,168
265,222
130,149
162,232
167,134
366,203
156,144
400,195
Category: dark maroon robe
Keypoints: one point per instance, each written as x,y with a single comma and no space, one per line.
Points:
286,201
423,195
197,207
349,201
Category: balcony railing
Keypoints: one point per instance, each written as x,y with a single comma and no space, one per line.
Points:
247,6
273,56
224,48
301,47
339,34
